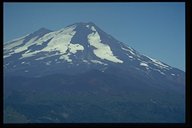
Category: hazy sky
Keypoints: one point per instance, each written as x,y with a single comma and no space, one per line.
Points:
154,29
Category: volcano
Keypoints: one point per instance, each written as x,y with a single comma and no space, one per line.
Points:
81,74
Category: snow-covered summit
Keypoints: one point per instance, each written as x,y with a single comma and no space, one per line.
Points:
81,46
62,44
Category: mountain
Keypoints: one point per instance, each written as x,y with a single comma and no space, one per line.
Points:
82,74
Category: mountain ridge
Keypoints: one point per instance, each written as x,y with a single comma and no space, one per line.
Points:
103,41
81,74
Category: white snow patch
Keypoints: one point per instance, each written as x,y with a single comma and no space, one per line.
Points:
173,74
98,62
28,51
158,63
131,57
65,57
93,28
162,73
12,45
124,49
9,48
46,37
159,71
5,56
46,56
128,50
139,59
25,47
132,52
143,64
61,42
102,51
85,61
48,63
28,54
40,58
75,47
15,42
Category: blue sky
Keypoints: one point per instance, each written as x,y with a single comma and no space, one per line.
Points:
154,29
